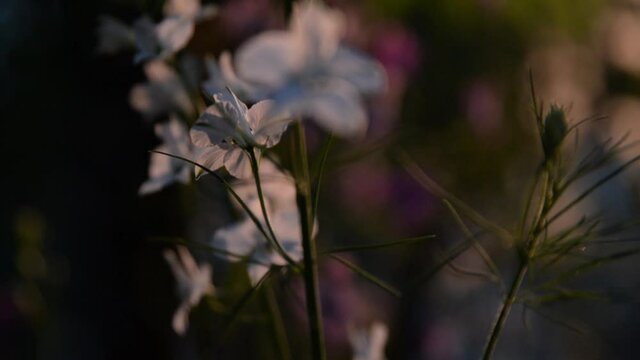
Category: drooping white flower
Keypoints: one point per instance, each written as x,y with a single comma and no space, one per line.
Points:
193,282
228,128
308,72
369,344
245,239
165,170
163,94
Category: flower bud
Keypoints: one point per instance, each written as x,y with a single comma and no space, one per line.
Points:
554,131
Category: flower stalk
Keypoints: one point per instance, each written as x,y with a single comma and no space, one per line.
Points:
310,253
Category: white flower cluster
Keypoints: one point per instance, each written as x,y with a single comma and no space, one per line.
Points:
303,72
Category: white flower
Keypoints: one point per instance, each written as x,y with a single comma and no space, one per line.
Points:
163,94
154,41
368,344
165,170
244,238
193,282
308,72
228,128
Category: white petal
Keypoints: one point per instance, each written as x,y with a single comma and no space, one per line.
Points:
188,262
180,320
269,59
267,126
141,99
185,8
246,90
318,28
238,239
174,33
176,267
237,163
235,110
212,128
212,158
366,74
256,272
336,107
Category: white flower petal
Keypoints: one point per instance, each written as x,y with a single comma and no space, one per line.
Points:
267,126
174,33
235,110
268,59
163,93
185,8
238,239
366,74
256,272
336,107
180,320
318,29
237,163
212,158
212,128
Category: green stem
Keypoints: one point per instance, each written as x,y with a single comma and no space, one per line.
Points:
530,243
274,239
312,290
503,312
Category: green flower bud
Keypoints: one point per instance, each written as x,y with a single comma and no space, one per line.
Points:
554,131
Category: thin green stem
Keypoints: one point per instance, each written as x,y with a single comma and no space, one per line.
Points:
312,290
323,162
503,312
263,207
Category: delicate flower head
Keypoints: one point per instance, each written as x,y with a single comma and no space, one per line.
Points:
228,128
369,344
163,94
308,72
245,239
165,170
193,282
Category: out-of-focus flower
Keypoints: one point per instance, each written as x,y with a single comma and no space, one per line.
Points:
174,32
154,41
368,344
165,170
244,238
193,282
309,73
163,94
620,39
228,128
